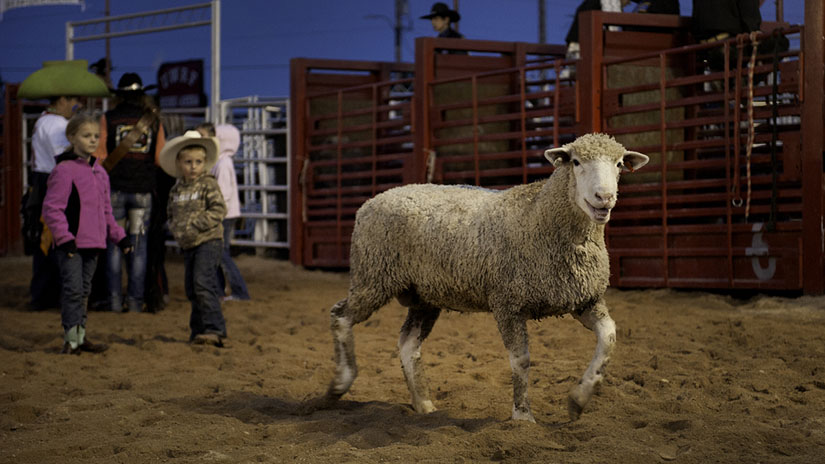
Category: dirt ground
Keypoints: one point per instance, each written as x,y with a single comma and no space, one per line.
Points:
695,378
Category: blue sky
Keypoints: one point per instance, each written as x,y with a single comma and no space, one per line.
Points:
260,36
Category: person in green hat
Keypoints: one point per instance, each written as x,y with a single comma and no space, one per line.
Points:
48,141
63,83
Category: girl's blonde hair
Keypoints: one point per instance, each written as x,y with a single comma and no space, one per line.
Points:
78,120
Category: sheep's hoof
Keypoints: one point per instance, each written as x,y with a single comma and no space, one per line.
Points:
425,407
318,403
523,416
574,409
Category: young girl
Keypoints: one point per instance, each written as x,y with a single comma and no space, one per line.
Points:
78,211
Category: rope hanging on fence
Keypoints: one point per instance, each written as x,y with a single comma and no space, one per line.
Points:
751,131
774,131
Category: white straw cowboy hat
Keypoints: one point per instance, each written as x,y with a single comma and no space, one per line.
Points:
169,153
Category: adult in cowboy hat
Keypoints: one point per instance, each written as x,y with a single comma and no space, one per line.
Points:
442,17
135,188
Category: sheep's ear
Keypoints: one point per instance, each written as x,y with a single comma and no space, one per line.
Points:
557,156
634,160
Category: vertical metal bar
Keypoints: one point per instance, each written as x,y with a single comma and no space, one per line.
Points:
374,166
736,118
523,111
556,96
298,113
339,246
216,61
663,160
813,209
69,41
289,177
729,163
474,81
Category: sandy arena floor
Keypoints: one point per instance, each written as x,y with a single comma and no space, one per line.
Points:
695,378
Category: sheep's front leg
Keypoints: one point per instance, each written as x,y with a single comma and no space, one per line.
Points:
598,320
514,334
416,328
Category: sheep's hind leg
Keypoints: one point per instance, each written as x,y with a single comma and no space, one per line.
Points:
419,324
344,315
598,320
514,334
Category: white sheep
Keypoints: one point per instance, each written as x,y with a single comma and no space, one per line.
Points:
529,252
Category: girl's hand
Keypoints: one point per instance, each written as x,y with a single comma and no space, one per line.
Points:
70,248
125,245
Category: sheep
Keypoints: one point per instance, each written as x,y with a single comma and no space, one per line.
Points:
528,252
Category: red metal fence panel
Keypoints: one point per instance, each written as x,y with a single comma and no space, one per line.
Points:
720,204
11,172
733,196
352,138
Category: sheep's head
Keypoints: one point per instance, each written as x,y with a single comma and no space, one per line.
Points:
597,160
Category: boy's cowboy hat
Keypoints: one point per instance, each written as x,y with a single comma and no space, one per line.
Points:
169,153
443,11
62,79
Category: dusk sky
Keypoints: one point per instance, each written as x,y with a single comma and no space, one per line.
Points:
260,36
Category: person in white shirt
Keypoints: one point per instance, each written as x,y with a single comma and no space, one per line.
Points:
48,141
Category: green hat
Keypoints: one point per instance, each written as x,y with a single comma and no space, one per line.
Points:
63,78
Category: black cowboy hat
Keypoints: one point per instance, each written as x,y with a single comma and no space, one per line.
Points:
441,10
131,82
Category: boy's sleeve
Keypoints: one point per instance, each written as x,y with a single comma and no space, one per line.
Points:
54,206
215,207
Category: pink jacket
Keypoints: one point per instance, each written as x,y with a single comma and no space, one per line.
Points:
77,205
229,139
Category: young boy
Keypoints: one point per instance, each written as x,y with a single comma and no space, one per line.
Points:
195,211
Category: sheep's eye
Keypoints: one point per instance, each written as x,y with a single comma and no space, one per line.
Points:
619,165
576,162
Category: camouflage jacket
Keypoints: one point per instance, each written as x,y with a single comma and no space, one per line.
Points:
196,211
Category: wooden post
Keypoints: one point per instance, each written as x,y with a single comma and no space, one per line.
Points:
12,169
589,71
424,74
813,222
297,102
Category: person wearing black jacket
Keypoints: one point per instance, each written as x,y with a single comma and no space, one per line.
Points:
134,185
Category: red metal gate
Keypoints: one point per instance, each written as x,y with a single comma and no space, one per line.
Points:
717,207
11,172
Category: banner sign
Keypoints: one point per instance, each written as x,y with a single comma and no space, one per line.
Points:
9,4
180,85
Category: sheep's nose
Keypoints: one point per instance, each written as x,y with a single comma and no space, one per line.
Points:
606,198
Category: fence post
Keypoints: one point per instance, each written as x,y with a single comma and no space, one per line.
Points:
813,249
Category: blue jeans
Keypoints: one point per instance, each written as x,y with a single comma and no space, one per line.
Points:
76,273
133,211
236,283
200,270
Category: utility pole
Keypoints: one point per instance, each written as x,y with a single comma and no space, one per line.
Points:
542,22
108,71
455,7
399,13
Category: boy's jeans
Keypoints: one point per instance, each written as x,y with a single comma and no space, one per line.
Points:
200,270
136,210
233,274
76,273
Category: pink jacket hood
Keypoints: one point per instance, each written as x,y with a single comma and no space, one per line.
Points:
229,139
